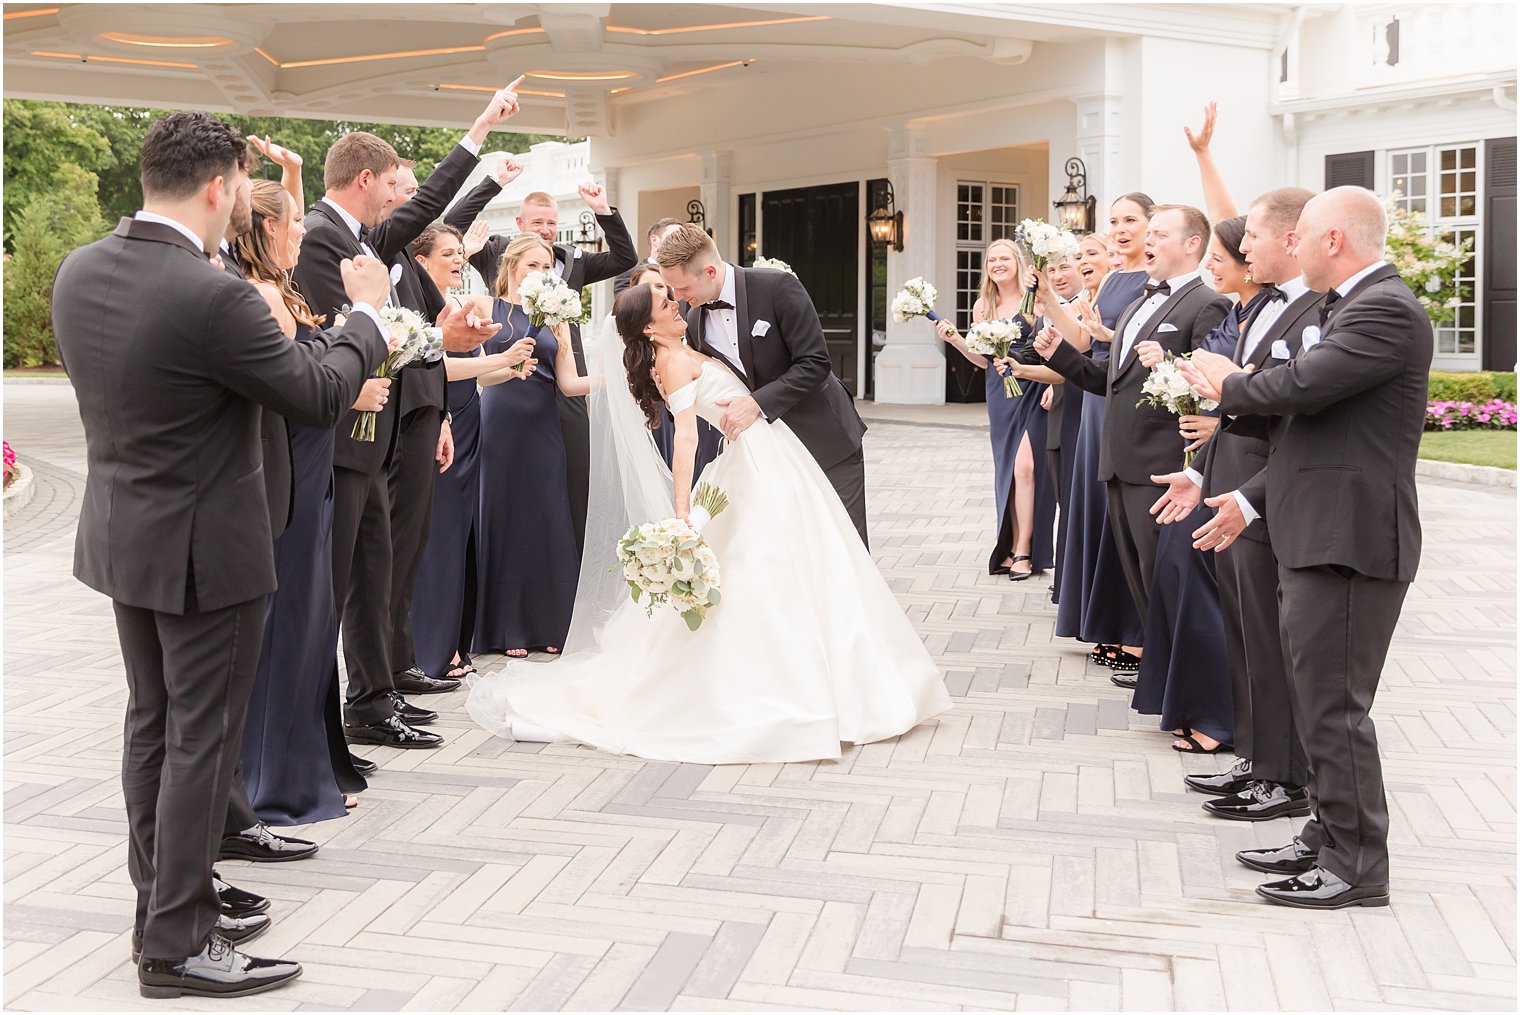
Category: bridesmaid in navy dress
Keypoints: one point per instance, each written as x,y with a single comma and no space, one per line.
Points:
528,564
295,759
1066,281
443,601
1185,675
1094,604
1023,490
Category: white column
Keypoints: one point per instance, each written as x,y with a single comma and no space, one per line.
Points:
1100,147
717,195
910,369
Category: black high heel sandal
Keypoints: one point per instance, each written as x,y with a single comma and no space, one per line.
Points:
1021,576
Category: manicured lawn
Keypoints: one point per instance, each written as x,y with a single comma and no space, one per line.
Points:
1471,447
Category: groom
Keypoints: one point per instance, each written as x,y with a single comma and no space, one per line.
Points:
762,324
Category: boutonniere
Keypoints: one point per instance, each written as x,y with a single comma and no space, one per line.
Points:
760,329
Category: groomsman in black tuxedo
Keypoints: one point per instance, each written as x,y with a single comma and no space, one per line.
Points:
763,325
1177,311
540,214
1269,778
1339,493
657,232
175,527
361,175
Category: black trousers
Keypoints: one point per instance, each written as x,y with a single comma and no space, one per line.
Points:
1135,536
1336,627
575,426
1264,729
361,548
188,681
410,482
848,478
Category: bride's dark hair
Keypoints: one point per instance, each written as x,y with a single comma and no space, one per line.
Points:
632,310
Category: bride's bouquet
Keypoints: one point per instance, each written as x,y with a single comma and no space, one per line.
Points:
548,300
774,263
1167,389
409,338
1045,243
667,562
993,339
915,299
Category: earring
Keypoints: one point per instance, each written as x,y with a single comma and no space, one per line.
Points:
1248,276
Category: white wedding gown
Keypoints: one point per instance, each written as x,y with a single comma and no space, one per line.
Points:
807,649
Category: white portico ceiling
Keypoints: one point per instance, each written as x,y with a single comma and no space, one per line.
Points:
436,63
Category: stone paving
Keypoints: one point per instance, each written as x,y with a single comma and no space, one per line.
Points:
1032,849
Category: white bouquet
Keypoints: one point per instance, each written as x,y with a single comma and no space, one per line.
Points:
993,339
410,339
1044,243
667,562
775,264
1167,389
915,299
548,300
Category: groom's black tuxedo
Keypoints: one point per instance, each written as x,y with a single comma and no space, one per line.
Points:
786,365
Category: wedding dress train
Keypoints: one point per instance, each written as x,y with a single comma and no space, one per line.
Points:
807,650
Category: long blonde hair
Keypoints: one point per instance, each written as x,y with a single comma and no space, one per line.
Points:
271,203
520,245
989,292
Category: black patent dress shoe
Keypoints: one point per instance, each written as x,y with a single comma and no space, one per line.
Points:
1233,781
220,970
414,681
1294,858
392,732
363,766
1261,801
1125,680
235,901
235,929
411,714
261,845
1317,888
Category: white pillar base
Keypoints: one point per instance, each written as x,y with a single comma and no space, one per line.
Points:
910,373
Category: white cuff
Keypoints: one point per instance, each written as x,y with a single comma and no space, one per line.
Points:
1245,507
372,314
1194,477
468,144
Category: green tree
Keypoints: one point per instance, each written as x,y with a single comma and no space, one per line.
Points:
64,216
39,138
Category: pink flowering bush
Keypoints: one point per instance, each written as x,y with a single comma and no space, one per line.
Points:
1495,414
10,463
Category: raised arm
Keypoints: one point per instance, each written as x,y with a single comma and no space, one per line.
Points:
620,254
290,166
1216,196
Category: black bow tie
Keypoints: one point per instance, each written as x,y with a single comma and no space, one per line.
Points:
1152,288
1271,294
718,305
364,234
1331,299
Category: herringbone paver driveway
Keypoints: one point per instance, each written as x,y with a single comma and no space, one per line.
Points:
1034,848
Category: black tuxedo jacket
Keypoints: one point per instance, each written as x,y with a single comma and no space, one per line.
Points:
1339,486
1238,449
788,368
1140,441
171,361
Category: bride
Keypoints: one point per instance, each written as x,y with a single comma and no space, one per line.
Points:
807,650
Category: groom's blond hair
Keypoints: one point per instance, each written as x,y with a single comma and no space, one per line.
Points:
688,247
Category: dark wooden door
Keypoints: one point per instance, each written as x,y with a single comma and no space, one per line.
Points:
1498,320
817,231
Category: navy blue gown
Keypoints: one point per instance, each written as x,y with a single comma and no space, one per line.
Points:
295,759
1185,674
1009,421
1095,603
1071,425
527,563
443,597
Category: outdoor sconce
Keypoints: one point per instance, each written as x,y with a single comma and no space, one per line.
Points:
886,223
587,238
696,214
1077,209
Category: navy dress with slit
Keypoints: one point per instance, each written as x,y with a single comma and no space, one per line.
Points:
1009,421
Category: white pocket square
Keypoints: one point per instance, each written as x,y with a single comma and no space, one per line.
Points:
1280,350
1165,327
1311,336
760,328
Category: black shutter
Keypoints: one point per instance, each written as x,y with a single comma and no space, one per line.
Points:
1497,323
1353,169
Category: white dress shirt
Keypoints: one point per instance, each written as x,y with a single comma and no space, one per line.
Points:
721,327
1345,287
1268,315
1148,310
179,227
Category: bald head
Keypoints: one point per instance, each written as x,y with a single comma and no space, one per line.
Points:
1340,232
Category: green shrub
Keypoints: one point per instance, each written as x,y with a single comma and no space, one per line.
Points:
1476,387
